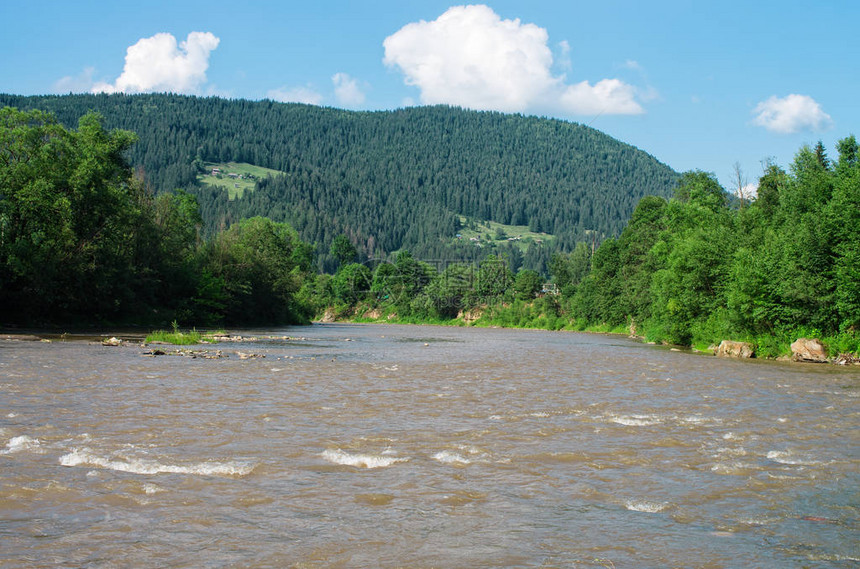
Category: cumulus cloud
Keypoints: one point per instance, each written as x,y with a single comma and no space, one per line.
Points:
471,57
347,90
790,114
606,96
157,63
305,95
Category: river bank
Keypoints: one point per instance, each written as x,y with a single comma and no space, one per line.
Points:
779,348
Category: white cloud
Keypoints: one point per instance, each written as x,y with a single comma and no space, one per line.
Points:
305,95
606,96
158,64
347,90
78,84
470,57
791,114
749,191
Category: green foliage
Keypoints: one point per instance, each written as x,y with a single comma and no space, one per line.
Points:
701,188
83,241
527,284
178,338
343,250
261,271
448,292
69,208
351,283
694,271
388,180
494,279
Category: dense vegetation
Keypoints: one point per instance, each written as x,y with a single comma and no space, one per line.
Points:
693,270
83,241
389,180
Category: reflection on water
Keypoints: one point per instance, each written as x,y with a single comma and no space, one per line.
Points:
388,446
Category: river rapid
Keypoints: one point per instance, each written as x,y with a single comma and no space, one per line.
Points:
413,446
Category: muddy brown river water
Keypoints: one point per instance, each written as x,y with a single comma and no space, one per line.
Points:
398,446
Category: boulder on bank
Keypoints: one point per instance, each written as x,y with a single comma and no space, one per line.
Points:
809,350
732,349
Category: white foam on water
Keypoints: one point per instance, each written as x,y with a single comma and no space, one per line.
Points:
150,489
788,458
135,465
645,506
698,420
740,451
338,456
449,457
730,468
21,443
634,420
11,415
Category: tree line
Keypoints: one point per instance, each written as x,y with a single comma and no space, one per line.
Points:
391,180
84,240
701,267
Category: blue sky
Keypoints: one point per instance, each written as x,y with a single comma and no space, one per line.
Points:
698,85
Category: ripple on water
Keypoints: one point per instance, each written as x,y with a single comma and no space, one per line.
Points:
645,506
361,460
139,465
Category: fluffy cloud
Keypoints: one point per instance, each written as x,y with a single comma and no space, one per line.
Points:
305,95
158,64
791,114
470,57
606,96
347,90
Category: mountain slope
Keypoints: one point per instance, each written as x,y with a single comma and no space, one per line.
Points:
389,179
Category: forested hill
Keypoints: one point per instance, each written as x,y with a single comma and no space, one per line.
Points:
388,179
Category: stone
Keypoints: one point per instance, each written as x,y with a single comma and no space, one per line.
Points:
732,349
809,350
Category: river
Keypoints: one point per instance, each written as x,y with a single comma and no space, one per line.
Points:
412,446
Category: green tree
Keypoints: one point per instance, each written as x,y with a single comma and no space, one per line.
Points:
770,186
343,250
256,260
493,278
351,283
527,284
68,207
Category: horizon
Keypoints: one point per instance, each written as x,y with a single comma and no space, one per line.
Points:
696,87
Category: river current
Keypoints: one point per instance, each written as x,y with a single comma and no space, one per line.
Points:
399,446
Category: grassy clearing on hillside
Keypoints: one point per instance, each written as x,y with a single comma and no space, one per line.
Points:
490,231
244,177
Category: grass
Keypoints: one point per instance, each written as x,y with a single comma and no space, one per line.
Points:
179,338
495,230
248,174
